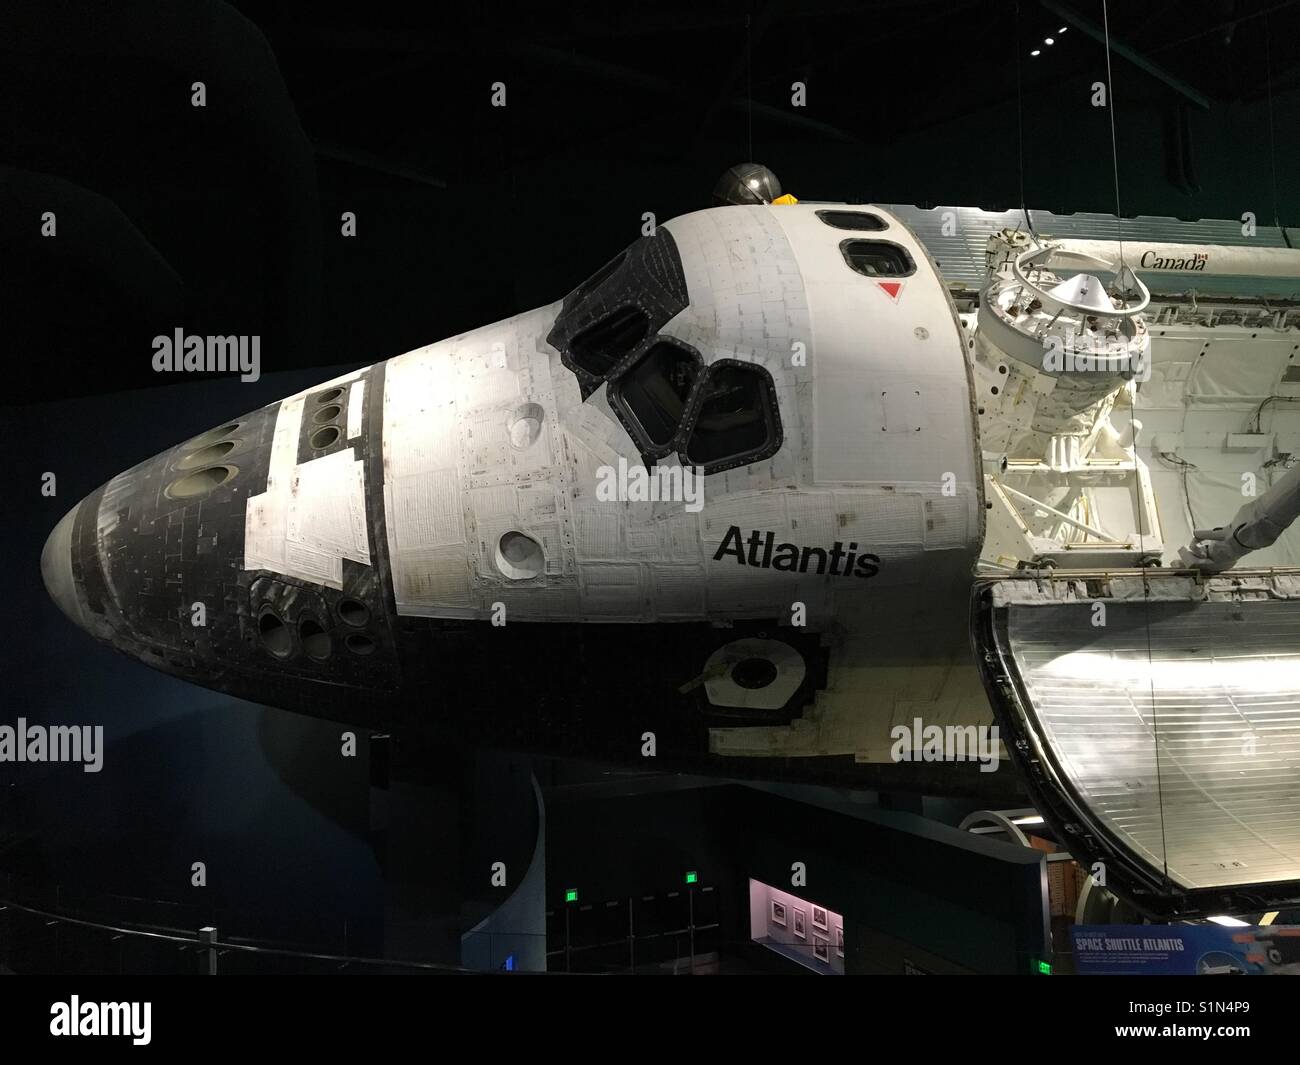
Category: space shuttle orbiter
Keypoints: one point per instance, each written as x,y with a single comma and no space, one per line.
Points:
775,486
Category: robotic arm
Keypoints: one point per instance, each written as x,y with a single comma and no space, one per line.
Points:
1257,524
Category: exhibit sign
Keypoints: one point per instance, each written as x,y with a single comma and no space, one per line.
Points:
1186,950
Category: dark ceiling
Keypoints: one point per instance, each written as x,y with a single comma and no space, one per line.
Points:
227,218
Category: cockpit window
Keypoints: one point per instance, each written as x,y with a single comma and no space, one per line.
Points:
627,301
654,392
860,220
600,347
608,332
595,280
737,421
877,258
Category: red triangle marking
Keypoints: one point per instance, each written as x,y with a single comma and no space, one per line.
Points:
891,288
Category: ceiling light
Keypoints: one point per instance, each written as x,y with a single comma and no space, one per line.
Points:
1229,922
1035,52
1049,40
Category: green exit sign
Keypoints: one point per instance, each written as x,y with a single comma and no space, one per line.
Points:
1045,967
571,895
692,877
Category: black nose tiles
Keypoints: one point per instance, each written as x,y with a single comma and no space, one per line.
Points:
56,568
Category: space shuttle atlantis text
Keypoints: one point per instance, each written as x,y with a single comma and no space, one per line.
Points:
765,553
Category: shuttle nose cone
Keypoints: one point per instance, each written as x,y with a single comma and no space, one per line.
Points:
56,567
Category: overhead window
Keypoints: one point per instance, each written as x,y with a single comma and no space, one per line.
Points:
653,392
596,280
737,421
630,298
878,258
859,220
599,347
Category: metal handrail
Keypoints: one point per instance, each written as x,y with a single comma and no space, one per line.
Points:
221,944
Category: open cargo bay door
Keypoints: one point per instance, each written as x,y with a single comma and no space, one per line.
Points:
1138,406
1156,718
